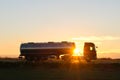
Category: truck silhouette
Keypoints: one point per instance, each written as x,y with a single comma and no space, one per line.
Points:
42,51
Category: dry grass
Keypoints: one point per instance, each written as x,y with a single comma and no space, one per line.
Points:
14,69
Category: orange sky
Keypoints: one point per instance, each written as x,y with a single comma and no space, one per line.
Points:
105,47
62,20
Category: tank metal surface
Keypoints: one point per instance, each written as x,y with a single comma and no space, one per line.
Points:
32,51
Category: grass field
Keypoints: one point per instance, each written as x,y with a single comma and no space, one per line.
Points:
59,70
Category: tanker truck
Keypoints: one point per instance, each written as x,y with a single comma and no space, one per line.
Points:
42,51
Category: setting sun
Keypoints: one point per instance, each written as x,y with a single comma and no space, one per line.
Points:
76,52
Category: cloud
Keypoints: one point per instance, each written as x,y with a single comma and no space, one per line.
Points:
112,55
111,51
96,38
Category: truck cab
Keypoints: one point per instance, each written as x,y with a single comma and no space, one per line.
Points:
89,51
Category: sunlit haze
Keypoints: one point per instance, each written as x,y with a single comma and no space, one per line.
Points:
76,21
76,52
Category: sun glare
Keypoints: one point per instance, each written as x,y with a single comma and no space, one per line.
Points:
76,52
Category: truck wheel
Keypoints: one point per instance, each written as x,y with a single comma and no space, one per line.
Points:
88,60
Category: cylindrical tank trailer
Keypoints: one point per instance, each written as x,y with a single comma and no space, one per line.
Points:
36,51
